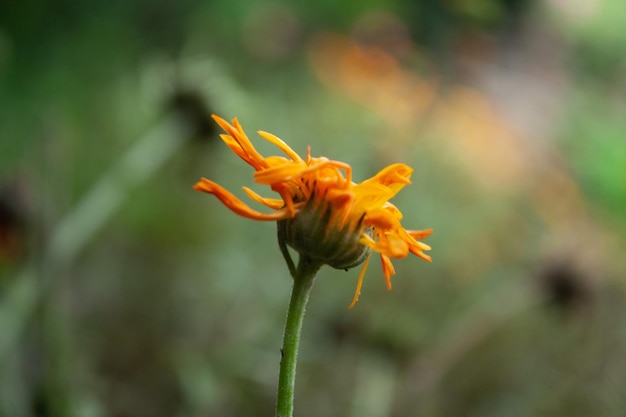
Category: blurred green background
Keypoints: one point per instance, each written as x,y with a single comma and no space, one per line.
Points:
124,293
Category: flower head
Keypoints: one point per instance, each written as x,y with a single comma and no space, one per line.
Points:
322,214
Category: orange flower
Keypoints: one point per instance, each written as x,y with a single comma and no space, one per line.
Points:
322,214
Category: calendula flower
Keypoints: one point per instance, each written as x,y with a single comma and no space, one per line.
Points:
322,213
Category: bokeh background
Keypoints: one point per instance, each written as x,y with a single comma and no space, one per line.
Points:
124,293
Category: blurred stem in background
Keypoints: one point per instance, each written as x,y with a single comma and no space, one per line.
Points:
507,301
82,223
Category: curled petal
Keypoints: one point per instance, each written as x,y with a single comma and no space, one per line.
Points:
420,245
398,248
388,270
288,199
381,219
272,203
421,254
280,171
393,210
238,150
420,234
393,244
334,175
238,142
366,240
281,145
359,283
411,240
236,205
395,176
372,196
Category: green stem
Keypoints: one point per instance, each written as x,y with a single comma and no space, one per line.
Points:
302,283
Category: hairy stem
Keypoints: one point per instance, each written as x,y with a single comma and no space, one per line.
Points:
302,283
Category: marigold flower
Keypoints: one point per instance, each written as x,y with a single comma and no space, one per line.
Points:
322,214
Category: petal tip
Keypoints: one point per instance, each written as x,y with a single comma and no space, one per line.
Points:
202,185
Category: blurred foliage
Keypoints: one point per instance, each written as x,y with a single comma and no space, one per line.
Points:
124,293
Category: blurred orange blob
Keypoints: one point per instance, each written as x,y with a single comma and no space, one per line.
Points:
492,152
372,77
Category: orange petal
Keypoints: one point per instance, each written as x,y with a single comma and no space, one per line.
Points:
366,240
238,142
388,270
398,248
321,165
280,171
272,203
395,212
371,196
422,255
380,219
236,205
280,144
359,282
411,240
420,234
394,176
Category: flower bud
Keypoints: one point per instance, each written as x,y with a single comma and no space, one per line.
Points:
314,232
